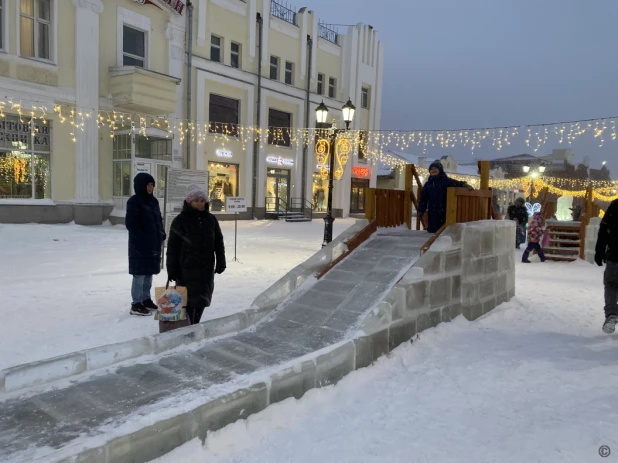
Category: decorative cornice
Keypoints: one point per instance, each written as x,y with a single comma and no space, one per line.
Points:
96,6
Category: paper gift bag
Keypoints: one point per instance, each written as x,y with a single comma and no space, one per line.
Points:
172,303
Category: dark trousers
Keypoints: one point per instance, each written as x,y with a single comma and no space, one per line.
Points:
194,315
610,280
531,246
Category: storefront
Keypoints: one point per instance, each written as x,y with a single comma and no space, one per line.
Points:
25,158
136,153
222,182
277,189
360,181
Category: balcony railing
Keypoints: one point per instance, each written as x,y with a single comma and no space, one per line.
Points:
281,11
328,32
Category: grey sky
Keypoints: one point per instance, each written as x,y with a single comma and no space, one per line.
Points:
479,63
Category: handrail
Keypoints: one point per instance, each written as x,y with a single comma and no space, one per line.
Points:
279,205
304,206
432,240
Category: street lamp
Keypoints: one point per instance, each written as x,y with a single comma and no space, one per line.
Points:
328,147
533,175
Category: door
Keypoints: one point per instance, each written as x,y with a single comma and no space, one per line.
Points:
277,190
357,195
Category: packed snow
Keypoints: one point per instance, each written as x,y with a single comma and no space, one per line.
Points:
66,287
533,381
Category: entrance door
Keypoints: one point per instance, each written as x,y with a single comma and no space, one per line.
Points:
277,190
357,195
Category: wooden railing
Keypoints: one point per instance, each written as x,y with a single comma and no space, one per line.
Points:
385,207
463,205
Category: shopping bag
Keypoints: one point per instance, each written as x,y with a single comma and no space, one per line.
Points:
545,241
172,303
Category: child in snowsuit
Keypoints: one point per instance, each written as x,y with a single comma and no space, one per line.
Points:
535,236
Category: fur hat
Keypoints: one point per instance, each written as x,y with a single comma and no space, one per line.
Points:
195,192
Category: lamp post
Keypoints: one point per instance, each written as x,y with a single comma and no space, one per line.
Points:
327,146
533,175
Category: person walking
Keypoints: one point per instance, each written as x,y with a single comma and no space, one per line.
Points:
536,231
433,196
146,235
606,251
519,213
195,252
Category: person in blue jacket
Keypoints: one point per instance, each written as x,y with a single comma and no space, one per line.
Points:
433,196
146,235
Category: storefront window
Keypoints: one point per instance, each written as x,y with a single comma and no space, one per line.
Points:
25,158
357,195
222,182
122,165
320,193
159,149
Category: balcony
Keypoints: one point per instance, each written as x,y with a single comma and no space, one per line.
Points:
140,90
284,12
328,32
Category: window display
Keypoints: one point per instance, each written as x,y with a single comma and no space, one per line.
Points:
25,158
320,193
222,182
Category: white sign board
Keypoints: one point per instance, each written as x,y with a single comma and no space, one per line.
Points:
142,167
169,217
179,179
235,204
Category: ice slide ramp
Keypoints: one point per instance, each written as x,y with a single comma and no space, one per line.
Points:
359,310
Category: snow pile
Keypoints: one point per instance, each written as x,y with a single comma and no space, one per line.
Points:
534,380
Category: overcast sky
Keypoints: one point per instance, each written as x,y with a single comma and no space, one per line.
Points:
480,63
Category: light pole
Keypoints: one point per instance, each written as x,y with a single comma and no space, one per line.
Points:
328,147
533,175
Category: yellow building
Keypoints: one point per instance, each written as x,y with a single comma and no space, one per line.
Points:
82,65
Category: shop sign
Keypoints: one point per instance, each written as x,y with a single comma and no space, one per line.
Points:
224,153
235,204
515,191
319,167
178,180
15,132
280,161
142,167
177,5
360,171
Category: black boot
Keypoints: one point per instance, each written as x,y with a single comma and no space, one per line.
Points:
139,309
610,324
149,304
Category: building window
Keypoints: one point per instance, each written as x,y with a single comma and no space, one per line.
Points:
362,146
274,68
215,48
224,115
222,182
320,192
289,73
133,47
35,28
279,125
159,149
357,195
365,98
235,55
25,158
320,84
332,87
122,165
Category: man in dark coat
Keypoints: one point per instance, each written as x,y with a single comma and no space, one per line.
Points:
433,196
606,250
519,213
146,236
195,252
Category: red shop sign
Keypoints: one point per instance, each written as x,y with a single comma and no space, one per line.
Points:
360,171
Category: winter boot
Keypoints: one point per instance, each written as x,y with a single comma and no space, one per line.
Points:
139,309
610,324
149,304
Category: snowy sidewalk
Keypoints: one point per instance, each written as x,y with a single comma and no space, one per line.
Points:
533,381
66,288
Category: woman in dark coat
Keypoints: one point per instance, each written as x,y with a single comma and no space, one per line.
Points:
195,252
433,196
146,236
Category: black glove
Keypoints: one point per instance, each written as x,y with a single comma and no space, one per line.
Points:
164,236
599,259
219,270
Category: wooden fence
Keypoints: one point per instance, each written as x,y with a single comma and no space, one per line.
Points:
386,207
465,205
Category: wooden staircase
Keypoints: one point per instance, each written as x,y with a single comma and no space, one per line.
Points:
564,241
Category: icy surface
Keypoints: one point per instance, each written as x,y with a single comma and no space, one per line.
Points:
66,287
533,381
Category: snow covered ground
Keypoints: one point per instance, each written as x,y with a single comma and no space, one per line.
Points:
67,288
534,381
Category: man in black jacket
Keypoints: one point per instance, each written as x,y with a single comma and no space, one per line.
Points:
607,251
519,213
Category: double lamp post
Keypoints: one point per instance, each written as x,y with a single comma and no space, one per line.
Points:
327,149
533,175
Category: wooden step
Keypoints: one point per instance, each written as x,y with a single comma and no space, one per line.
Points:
557,258
564,233
569,242
561,251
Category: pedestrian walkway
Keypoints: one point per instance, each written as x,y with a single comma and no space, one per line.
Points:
327,313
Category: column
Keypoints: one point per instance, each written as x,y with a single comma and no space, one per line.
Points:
87,99
175,32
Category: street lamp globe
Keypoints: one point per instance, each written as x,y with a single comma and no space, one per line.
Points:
534,174
541,169
526,169
348,111
321,113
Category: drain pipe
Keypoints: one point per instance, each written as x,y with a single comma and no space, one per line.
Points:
256,143
189,75
306,145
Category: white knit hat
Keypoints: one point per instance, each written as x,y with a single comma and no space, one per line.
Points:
195,192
